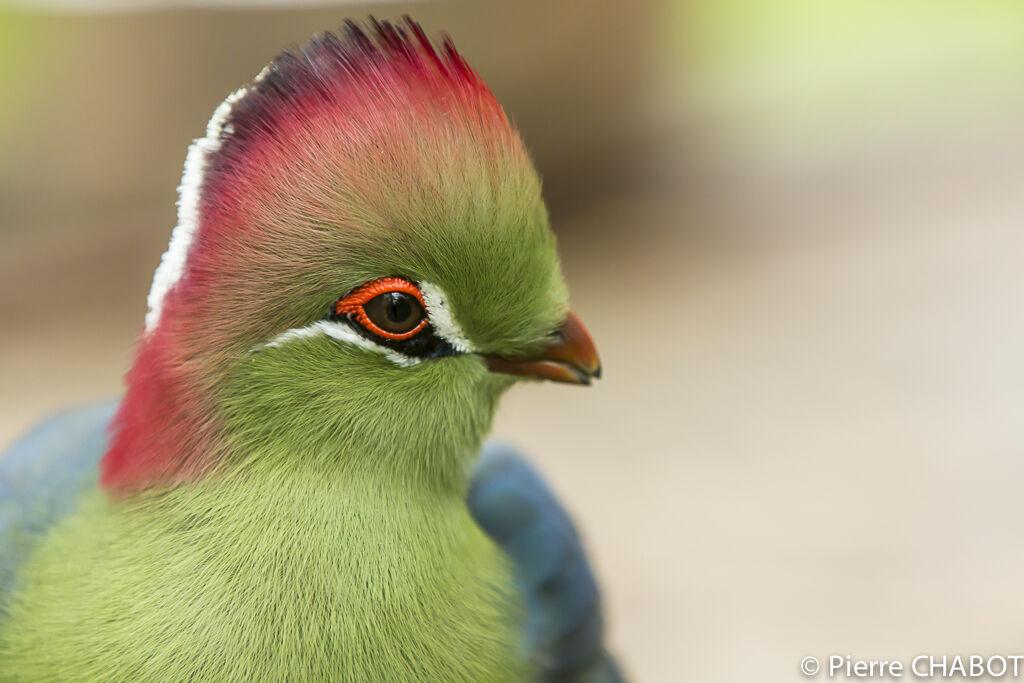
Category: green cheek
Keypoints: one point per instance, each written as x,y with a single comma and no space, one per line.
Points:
320,403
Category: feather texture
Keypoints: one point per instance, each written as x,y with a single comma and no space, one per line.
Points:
297,510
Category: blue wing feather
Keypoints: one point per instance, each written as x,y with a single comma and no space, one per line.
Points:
41,476
511,502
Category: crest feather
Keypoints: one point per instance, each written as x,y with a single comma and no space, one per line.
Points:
382,68
331,68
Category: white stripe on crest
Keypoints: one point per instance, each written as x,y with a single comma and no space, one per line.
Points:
172,263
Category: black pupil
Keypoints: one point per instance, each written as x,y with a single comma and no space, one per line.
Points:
399,307
395,312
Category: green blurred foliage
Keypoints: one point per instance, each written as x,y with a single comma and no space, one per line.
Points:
22,50
815,45
772,67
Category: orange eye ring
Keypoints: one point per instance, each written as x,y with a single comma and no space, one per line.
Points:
354,304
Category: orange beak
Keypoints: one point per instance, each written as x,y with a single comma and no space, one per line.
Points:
572,358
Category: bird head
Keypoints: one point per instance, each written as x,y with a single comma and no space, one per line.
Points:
362,265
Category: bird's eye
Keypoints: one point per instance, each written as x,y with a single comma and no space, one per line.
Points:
390,307
394,312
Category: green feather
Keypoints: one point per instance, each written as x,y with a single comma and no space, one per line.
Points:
336,544
292,577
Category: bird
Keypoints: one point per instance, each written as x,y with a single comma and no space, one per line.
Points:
296,483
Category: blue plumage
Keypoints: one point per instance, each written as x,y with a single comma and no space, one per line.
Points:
513,505
41,476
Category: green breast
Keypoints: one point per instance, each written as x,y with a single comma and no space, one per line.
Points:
264,578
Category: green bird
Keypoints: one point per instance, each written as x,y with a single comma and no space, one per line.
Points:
362,266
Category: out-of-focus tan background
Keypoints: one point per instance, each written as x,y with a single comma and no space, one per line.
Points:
795,228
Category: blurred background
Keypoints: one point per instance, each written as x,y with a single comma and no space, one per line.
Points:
795,229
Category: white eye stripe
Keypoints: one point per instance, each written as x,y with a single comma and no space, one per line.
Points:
342,333
445,326
442,320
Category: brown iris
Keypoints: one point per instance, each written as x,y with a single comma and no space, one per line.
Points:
395,312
